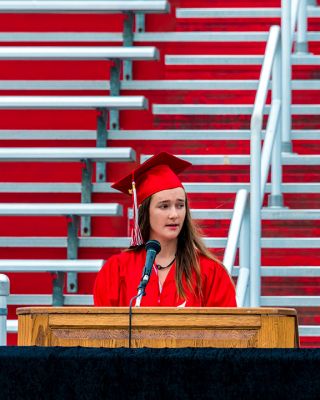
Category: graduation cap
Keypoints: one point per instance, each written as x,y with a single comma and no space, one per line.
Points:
154,175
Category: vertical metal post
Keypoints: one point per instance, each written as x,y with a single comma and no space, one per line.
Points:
275,199
102,118
302,41
286,45
246,302
86,194
57,291
72,252
114,91
255,213
244,259
4,293
294,17
140,23
235,229
128,42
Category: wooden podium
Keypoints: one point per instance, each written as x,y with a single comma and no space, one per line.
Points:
158,327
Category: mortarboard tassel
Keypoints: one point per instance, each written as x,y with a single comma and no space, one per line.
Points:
136,236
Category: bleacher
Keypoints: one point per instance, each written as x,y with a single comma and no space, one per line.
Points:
77,112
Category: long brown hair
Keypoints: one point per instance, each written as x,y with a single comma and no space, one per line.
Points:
190,246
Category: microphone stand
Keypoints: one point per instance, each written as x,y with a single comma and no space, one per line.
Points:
139,297
141,289
153,248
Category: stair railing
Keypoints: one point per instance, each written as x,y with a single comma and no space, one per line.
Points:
246,220
261,160
239,231
293,15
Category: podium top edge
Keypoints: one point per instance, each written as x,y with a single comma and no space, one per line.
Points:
158,310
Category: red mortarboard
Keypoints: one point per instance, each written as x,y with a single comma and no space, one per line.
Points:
157,173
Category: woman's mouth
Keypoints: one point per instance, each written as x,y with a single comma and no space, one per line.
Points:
172,226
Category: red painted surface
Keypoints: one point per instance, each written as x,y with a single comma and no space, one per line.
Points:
154,70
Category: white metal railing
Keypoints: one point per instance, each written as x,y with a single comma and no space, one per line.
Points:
293,15
277,62
260,164
239,233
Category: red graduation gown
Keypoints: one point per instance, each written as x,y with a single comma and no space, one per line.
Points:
119,278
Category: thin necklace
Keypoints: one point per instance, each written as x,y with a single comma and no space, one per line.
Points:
159,267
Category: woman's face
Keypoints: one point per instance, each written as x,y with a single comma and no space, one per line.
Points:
167,213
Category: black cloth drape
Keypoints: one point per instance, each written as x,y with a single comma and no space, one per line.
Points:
95,373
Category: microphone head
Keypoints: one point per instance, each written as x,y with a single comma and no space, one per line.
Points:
153,245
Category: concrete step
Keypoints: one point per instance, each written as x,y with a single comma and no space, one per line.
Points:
241,12
266,301
290,301
229,109
266,214
205,159
309,330
286,271
46,299
297,59
124,242
149,85
141,134
11,265
146,37
191,187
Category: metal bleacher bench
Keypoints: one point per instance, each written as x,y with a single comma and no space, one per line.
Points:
118,54
85,210
133,8
87,155
72,102
145,37
45,266
77,102
125,54
71,210
63,154
78,53
107,6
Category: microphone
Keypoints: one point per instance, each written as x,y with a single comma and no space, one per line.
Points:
153,248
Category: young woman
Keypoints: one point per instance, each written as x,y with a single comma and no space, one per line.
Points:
185,273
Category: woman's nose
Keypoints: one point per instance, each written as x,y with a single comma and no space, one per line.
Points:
173,212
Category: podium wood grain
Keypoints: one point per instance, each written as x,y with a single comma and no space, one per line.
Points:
158,327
